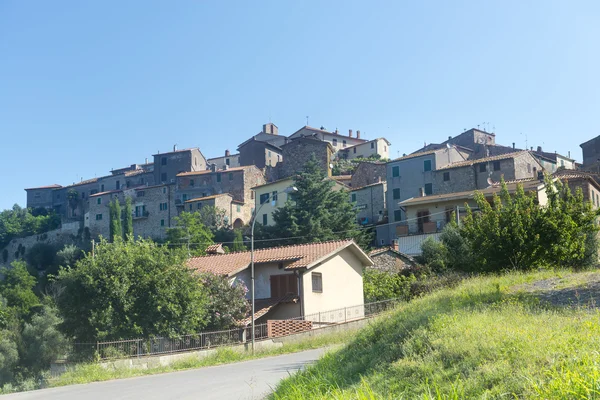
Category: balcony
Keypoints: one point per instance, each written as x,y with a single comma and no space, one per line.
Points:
140,215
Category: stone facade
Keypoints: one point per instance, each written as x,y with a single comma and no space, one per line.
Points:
260,154
370,203
591,151
41,197
338,142
367,173
168,165
297,152
237,214
390,260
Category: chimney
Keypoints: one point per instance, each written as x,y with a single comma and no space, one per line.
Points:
531,148
146,160
513,145
421,192
213,167
225,167
395,245
539,149
358,134
569,154
175,147
349,132
227,153
336,131
449,137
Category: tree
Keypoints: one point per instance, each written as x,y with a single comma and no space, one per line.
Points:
238,241
380,285
17,288
128,220
213,217
20,222
129,290
226,302
115,220
9,357
317,212
190,233
434,254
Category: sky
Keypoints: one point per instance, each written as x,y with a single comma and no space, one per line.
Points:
86,87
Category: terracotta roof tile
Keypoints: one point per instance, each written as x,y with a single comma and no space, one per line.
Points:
263,306
301,256
55,186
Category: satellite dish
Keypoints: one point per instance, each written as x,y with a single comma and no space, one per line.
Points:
490,182
331,166
448,145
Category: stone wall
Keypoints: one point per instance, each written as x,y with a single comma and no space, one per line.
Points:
370,202
297,152
367,173
389,261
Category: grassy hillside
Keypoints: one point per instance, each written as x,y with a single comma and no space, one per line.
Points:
491,337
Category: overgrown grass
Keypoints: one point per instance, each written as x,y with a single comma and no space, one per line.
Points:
479,340
94,372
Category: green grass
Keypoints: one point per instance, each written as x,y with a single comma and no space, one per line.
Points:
94,372
479,340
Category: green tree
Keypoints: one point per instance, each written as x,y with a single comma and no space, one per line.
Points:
190,233
226,302
434,254
128,220
9,357
381,285
17,289
317,212
128,290
115,220
238,241
20,222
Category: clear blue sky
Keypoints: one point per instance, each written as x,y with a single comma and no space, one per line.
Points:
89,87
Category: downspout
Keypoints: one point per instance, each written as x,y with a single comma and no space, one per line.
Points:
300,292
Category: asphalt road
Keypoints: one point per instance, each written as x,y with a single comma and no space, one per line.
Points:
245,380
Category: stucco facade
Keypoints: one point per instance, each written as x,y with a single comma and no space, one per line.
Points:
268,190
168,165
377,147
228,160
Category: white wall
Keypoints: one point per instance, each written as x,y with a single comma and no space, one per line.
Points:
270,207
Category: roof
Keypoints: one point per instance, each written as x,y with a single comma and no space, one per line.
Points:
274,182
209,171
317,140
310,128
136,172
55,186
253,139
586,142
382,250
216,158
360,144
93,180
107,192
572,175
528,184
368,186
176,151
468,163
297,256
263,306
214,196
420,154
341,177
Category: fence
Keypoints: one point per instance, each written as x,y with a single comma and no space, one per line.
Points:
208,340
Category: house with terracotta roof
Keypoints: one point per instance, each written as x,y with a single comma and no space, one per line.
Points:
298,280
377,147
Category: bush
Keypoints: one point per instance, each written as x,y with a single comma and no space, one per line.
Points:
434,254
9,357
226,302
379,285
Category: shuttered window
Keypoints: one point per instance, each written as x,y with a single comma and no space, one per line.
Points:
283,284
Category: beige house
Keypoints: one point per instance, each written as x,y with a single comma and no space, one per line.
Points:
237,214
297,281
377,147
271,196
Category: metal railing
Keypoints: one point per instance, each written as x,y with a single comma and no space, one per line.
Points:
207,340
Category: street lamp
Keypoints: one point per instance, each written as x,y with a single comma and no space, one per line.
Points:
291,189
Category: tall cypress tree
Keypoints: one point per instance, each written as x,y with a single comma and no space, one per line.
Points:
317,212
128,220
116,231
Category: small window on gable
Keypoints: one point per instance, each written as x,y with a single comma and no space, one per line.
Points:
227,161
317,282
354,150
372,145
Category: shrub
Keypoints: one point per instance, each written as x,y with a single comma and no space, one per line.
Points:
379,285
434,254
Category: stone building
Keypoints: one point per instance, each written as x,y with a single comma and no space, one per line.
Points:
153,209
228,160
236,213
259,153
476,174
270,134
367,173
41,197
298,151
589,183
475,140
591,151
390,259
238,182
370,202
338,142
168,165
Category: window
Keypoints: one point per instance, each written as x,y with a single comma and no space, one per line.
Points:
163,206
446,176
198,205
396,193
528,168
343,143
562,163
118,185
482,167
422,218
162,222
427,165
496,165
317,282
395,172
353,197
269,153
99,200
184,197
397,215
83,195
140,211
191,207
274,196
334,142
164,190
163,161
141,193
195,161
354,150
264,198
227,161
163,177
191,182
93,191
102,187
218,177
372,145
98,217
265,217
231,176
238,208
204,194
428,189
282,285
252,195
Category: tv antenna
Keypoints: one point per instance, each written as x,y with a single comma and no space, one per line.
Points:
307,120
526,142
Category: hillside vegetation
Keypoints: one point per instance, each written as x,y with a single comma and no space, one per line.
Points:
490,337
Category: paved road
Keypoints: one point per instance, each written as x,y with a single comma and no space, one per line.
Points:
246,380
